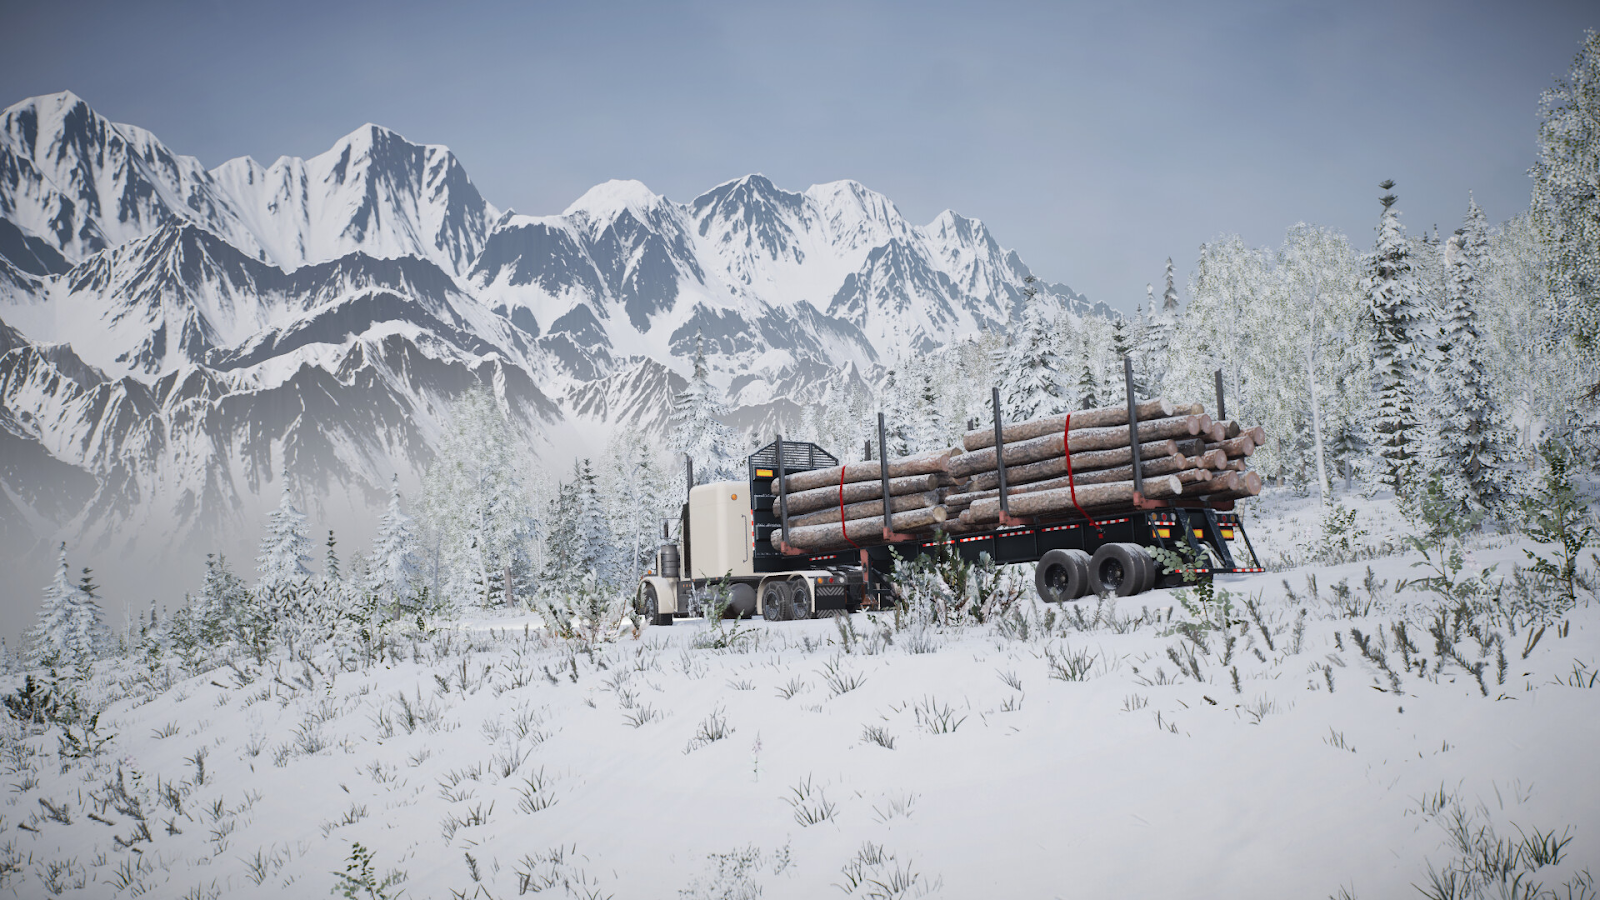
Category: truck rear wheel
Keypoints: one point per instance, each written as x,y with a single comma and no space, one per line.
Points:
1117,569
775,601
799,599
1062,575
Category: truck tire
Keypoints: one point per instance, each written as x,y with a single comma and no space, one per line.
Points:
1146,562
775,601
652,607
1115,569
1062,575
799,600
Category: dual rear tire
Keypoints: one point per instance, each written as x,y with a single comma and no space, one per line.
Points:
782,601
1121,569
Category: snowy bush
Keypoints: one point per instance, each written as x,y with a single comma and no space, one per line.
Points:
944,589
589,612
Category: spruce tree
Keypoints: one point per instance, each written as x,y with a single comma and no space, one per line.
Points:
1169,297
392,573
1030,369
330,562
1566,203
285,557
476,506
1469,447
90,635
697,427
1391,290
50,639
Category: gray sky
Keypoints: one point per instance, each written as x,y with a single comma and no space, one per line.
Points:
1097,140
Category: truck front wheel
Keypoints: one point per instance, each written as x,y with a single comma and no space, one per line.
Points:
652,607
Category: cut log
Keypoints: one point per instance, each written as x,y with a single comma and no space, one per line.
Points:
1257,434
1084,418
859,491
862,531
1193,476
920,464
1059,502
1186,446
1231,429
1088,461
1042,448
1235,447
1165,465
899,504
1245,484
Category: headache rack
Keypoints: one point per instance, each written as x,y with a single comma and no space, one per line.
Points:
796,456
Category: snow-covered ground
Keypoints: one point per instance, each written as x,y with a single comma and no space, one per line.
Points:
1057,754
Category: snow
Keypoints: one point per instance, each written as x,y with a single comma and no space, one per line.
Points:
607,200
1117,784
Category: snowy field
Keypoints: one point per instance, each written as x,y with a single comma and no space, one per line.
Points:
1089,752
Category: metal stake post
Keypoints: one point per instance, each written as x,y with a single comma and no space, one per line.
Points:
999,453
783,494
883,475
1133,431
1222,408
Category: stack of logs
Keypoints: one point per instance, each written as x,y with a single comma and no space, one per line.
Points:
1182,453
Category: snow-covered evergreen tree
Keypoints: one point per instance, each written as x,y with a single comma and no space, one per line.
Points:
477,507
579,544
1467,445
223,597
1169,297
70,628
638,495
1566,212
897,403
697,427
285,549
1392,298
392,572
1030,369
928,428
330,562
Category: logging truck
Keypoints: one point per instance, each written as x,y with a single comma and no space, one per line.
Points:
735,544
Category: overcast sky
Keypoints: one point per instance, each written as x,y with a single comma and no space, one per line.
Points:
1097,140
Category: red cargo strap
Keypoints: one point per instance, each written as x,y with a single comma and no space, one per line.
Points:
1072,483
844,529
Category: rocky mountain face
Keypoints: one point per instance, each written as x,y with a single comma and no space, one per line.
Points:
174,339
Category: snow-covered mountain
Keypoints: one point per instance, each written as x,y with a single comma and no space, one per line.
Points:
173,338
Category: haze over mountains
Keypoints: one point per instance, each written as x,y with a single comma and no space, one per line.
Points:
175,338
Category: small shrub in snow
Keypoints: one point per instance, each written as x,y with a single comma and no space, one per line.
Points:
360,881
1069,664
935,717
810,803
945,589
874,872
1554,513
712,728
558,867
879,735
535,794
838,680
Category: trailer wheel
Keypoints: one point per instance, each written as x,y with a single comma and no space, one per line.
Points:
775,601
1061,575
652,607
1147,565
1114,569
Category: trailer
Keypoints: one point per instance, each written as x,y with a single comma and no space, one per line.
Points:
731,547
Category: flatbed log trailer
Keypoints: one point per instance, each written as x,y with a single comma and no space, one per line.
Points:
731,543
